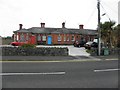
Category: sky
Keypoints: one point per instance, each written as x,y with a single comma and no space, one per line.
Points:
31,13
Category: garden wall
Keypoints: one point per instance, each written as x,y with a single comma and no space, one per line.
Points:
113,51
41,51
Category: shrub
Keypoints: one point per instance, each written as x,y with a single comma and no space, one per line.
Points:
89,51
28,46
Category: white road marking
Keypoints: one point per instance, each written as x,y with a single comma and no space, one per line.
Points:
49,73
106,70
112,59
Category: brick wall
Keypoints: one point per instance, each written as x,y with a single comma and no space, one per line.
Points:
68,38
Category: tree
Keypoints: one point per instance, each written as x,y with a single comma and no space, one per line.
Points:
107,33
117,34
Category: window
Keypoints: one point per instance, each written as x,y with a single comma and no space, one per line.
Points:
43,38
39,38
68,38
59,38
27,37
73,38
22,39
77,37
64,37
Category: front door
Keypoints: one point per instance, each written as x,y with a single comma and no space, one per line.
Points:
33,39
49,40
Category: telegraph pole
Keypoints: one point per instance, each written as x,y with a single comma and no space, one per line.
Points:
99,31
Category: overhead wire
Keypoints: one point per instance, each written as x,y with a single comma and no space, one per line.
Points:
115,4
106,12
107,6
91,15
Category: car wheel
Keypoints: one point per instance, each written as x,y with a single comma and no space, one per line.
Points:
13,45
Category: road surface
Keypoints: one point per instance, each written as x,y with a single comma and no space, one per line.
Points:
91,74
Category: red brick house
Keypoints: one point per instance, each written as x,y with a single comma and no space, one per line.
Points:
52,36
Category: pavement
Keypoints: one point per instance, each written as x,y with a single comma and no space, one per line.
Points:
108,57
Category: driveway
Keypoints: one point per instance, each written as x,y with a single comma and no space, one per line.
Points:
73,51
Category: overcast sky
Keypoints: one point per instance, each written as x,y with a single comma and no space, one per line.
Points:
31,13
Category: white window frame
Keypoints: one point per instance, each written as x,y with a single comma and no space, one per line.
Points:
44,38
59,38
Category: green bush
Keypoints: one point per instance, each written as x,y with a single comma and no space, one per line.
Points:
89,51
28,46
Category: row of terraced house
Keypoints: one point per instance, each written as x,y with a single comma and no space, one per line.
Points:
53,36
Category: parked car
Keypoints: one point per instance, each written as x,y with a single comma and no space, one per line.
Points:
94,45
79,43
88,44
18,43
91,44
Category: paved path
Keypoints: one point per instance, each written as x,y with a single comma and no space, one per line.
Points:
73,51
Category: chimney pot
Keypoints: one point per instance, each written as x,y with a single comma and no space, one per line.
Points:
42,25
81,26
63,25
20,26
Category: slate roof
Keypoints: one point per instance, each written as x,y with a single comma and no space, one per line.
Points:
23,30
58,31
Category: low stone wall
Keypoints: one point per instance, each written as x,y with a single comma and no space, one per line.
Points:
113,51
41,51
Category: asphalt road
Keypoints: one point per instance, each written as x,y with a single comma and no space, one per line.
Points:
94,74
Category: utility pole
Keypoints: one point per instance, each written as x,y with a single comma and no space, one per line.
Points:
99,31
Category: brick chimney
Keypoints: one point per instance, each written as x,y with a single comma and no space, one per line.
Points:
63,25
81,26
20,26
42,25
